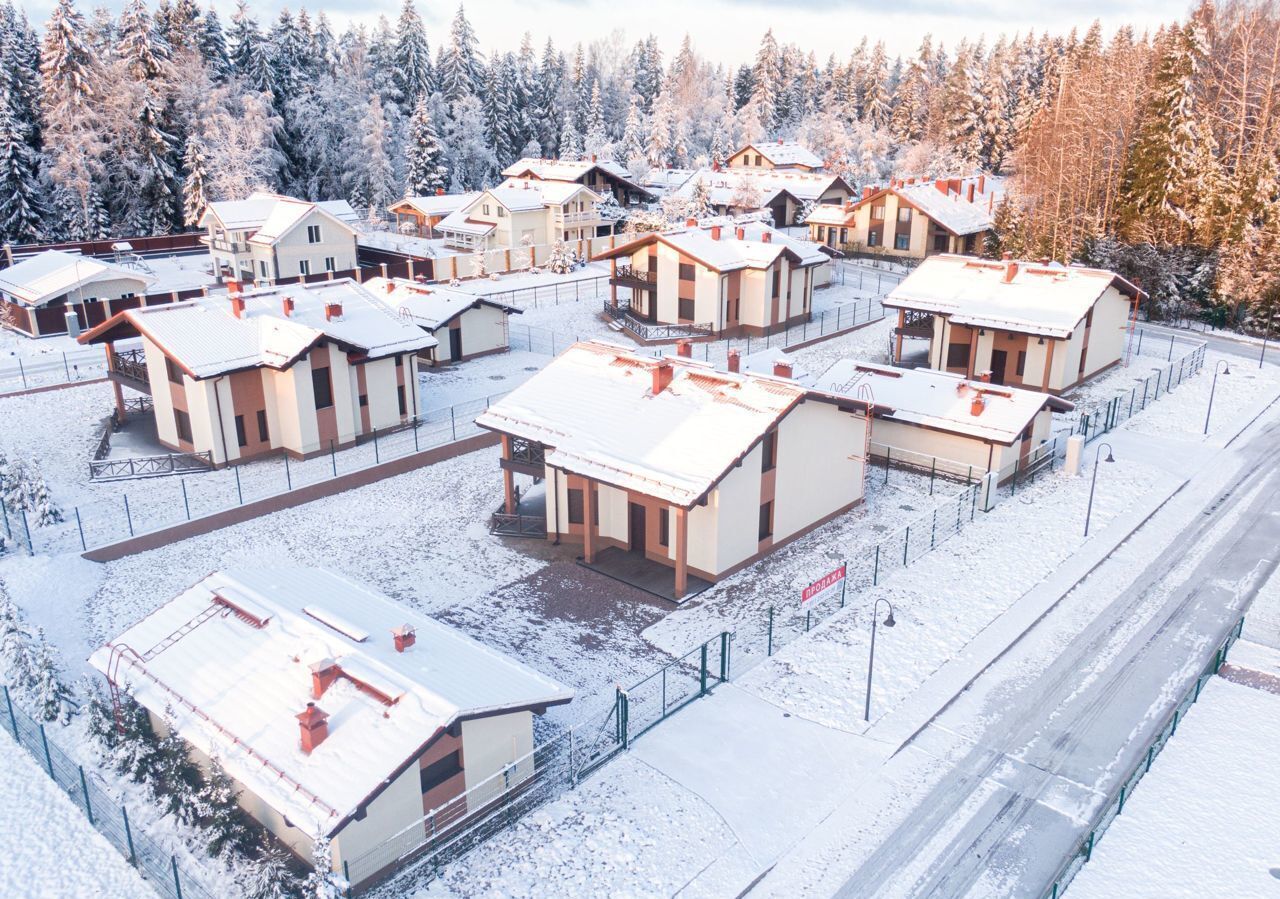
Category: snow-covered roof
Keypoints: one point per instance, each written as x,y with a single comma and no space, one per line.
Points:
236,684
595,410
437,204
429,306
785,152
1048,300
723,186
565,169
53,273
253,213
662,180
728,252
941,400
207,339
828,214
530,193
459,222
953,210
285,215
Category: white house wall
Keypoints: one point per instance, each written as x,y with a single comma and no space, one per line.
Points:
161,392
1108,332
395,808
816,474
736,501
930,443
492,743
484,329
380,384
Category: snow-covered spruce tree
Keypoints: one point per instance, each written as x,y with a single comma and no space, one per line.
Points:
458,70
218,813
20,212
479,268
15,645
47,693
270,875
570,140
561,261
100,716
719,151
496,105
424,154
195,188
320,882
631,147
413,73
698,204
596,139
212,44
134,751
380,176
175,780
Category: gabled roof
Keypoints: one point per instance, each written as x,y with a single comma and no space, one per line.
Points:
941,400
783,153
286,215
206,339
430,306
251,214
722,186
53,273
1048,300
237,680
436,204
728,253
569,170
946,201
594,407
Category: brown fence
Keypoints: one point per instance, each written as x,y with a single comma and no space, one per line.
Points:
188,240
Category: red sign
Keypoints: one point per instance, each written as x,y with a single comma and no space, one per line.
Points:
821,585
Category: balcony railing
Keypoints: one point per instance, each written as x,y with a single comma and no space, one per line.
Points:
626,276
574,218
528,451
624,318
226,246
916,324
132,366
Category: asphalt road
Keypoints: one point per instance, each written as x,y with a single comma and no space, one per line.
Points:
1039,744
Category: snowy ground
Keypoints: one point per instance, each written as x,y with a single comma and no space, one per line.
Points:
1262,619
477,379
1203,811
175,272
47,846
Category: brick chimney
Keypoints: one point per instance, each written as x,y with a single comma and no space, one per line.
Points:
766,237
735,361
332,311
286,303
779,142
691,222
314,726
977,405
439,191
391,286
868,191
941,184
740,233
715,232
404,637
684,349
593,157
985,376
781,368
662,373
323,674
237,305
1010,272
971,189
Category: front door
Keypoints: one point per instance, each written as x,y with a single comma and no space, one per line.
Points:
635,516
998,360
455,342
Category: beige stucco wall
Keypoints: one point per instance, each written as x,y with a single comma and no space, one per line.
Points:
818,469
397,807
491,744
736,504
161,393
1107,335
484,329
108,289
336,240
957,448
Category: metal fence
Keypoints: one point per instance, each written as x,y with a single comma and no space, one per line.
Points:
169,877
540,296
165,503
51,369
1114,804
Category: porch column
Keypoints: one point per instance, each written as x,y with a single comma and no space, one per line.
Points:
589,515
897,338
613,288
682,552
508,479
115,385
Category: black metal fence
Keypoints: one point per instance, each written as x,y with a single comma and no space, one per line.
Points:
1164,379
169,877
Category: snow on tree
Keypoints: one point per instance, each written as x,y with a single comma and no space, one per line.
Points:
631,149
379,173
471,162
570,141
596,139
658,146
698,203
719,152
48,695
16,660
270,875
145,57
195,193
219,815
746,196
212,44
459,67
175,780
321,882
134,749
426,175
20,212
562,260
496,104
413,73
767,81
479,267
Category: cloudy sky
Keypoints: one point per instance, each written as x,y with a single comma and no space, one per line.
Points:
730,30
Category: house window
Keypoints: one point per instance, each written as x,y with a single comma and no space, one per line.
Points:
485,208
313,233
766,520
262,268
777,281
686,310
958,355
183,421
330,264
171,368
242,439
904,214
364,400
686,271
844,235
304,266
1022,362
322,387
902,241
877,213
873,238
502,213
575,506
404,406
664,527
768,451
263,433
441,771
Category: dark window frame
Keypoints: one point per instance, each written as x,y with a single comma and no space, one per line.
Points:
685,308
264,431
313,234
769,451
575,501
664,527
242,436
1021,367
172,370
182,423
955,359
321,377
441,771
688,272
766,520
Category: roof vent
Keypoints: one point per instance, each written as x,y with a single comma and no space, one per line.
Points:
286,303
404,636
735,361
313,723
977,405
323,674
338,623
332,312
662,374
684,349
766,236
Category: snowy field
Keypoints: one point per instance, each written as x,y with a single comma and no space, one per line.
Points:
47,846
1203,811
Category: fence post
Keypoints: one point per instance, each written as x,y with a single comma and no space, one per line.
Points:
1171,336
288,476
239,491
48,759
724,656
177,884
702,675
906,542
186,504
768,650
13,721
933,470
84,787
453,424
416,421
808,614
23,372
333,458
888,452
128,836
1120,806
80,528
26,528
376,458
1088,851
1151,754
65,366
875,571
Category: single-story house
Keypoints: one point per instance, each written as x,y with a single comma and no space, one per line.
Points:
301,368
420,215
780,155
1042,326
698,470
267,237
969,426
912,220
465,325
37,294
740,278
336,712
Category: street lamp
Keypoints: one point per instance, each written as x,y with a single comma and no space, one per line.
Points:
1094,482
1225,367
888,622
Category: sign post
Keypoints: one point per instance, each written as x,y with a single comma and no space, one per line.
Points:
821,587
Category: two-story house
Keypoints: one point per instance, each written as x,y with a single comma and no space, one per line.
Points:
784,193
419,216
1043,326
525,212
780,155
723,278
910,219
267,237
303,368
605,177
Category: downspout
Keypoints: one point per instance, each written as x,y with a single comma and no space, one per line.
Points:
222,426
555,495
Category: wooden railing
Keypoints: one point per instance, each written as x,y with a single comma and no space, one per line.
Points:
517,525
149,466
626,319
131,364
626,276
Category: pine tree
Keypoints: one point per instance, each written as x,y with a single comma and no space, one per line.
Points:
320,883
16,660
561,261
424,154
413,73
596,139
699,201
548,112
460,65
497,115
658,146
20,212
212,44
195,192
719,152
570,140
175,780
379,172
766,79
49,695
270,875
631,147
218,813
155,176
145,57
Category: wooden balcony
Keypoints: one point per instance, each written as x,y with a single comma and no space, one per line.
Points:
129,368
626,276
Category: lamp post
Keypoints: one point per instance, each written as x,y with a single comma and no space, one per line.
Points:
1094,482
888,622
1225,367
